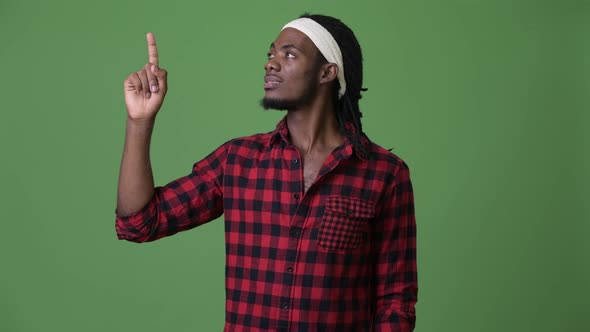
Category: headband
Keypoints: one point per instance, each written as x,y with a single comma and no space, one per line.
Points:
325,43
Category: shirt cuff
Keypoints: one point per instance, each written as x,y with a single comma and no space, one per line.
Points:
135,226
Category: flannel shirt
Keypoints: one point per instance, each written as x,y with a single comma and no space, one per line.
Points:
339,257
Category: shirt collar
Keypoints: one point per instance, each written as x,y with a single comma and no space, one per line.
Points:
281,132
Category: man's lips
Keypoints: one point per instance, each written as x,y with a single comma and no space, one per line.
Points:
271,82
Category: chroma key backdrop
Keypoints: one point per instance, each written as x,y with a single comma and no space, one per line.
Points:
487,102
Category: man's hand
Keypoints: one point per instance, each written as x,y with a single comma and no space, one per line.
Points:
146,88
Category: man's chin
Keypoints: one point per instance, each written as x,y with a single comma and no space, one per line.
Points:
276,104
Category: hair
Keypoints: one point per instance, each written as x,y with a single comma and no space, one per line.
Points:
347,107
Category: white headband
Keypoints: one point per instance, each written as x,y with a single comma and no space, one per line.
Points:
325,43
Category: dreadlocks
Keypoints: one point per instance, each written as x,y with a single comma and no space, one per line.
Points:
347,107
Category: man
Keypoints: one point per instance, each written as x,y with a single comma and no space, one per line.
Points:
319,221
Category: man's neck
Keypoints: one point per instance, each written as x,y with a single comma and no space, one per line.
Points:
315,129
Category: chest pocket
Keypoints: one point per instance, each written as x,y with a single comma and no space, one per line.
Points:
345,223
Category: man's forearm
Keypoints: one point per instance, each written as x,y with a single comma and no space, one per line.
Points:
136,182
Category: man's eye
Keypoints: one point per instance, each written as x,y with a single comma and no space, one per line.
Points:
269,56
289,55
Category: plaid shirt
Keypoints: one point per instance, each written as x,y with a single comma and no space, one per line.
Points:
339,257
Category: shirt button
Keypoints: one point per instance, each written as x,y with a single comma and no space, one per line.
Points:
296,196
285,305
289,269
295,231
295,161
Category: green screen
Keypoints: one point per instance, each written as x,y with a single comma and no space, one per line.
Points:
487,101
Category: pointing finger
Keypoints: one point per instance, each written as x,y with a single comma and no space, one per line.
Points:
152,49
152,79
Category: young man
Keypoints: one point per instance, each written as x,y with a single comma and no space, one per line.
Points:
319,221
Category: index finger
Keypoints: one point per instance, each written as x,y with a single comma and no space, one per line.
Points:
152,49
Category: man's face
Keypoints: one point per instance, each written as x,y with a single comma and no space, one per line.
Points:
292,72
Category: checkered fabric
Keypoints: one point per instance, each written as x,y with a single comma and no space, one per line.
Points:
339,257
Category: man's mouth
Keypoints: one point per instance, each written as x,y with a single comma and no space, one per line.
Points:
271,82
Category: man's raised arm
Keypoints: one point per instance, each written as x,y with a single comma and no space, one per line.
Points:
144,94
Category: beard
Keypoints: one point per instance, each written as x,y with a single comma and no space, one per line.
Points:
290,104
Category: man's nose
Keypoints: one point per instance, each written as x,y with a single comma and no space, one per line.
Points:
272,64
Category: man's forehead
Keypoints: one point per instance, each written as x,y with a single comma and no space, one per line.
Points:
293,38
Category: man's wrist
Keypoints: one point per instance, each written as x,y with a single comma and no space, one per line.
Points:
147,123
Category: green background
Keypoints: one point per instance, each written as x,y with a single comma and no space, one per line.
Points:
487,101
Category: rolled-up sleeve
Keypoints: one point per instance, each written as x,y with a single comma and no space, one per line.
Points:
182,204
396,278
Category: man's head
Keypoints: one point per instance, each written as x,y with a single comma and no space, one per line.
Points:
297,71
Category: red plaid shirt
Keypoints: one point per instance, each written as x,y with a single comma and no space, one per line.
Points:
339,257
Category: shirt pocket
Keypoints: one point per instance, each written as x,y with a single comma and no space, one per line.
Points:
345,223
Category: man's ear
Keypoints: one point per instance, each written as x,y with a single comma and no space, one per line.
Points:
328,73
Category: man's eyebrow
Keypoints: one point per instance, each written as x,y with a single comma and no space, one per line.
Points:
284,47
287,46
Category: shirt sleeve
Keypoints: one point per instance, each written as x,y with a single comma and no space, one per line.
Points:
396,278
182,204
